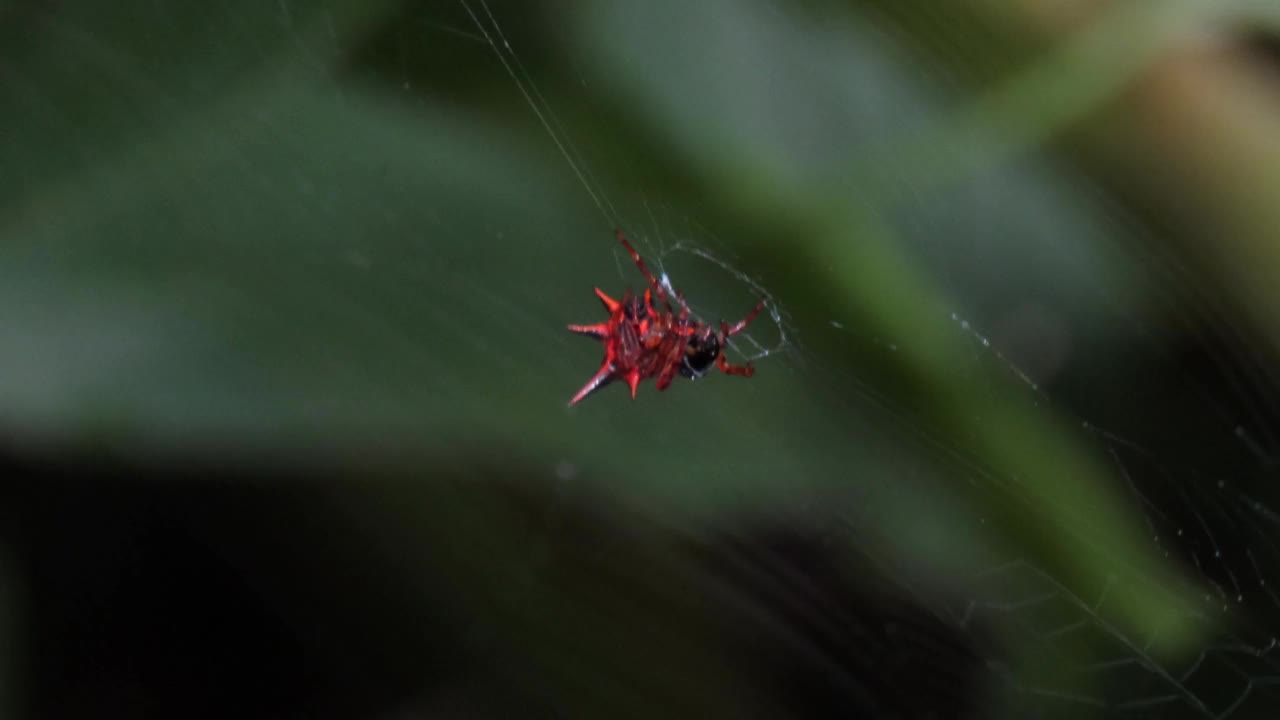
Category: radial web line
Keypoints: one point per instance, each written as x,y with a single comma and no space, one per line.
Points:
532,96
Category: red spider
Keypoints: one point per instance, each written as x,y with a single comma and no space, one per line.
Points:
641,341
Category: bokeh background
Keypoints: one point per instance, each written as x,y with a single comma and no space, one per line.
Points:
283,371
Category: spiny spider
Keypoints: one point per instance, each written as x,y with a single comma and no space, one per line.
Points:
641,341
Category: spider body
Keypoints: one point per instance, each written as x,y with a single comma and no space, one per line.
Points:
701,354
642,340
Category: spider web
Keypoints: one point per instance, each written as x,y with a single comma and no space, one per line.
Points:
1208,511
674,247
993,391
662,244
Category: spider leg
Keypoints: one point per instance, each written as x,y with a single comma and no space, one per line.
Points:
633,380
649,308
725,332
656,286
742,324
597,381
730,369
653,281
599,331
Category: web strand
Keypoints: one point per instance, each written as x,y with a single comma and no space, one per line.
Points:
538,104
1223,531
745,344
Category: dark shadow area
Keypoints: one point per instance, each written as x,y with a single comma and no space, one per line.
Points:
202,588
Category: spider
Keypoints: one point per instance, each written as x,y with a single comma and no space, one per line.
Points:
641,341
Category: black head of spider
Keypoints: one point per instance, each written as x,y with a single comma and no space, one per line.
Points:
700,355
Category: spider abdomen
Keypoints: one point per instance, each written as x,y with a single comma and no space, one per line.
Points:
700,356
